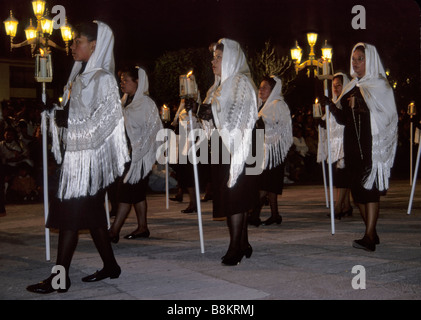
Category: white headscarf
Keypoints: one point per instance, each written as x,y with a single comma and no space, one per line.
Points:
336,133
380,100
278,126
143,122
94,141
234,106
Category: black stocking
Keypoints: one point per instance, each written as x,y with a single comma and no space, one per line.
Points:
273,202
236,225
103,245
67,242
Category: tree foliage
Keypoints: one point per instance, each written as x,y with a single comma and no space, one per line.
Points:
171,65
267,63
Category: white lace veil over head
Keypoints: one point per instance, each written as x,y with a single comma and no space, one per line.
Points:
380,100
278,126
234,106
345,81
94,141
101,59
142,123
336,133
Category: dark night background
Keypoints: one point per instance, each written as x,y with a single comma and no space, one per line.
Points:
146,29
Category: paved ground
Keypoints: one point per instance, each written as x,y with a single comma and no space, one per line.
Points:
299,259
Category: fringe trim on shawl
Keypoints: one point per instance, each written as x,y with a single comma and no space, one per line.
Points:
275,153
56,134
241,118
146,163
336,145
239,156
100,166
380,171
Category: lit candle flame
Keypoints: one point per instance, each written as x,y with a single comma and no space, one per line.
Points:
317,100
190,73
41,51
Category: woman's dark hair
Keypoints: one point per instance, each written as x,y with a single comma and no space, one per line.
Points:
339,76
269,80
87,29
361,48
132,72
220,46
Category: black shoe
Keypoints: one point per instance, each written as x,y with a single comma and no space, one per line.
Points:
248,252
133,235
103,274
364,243
232,259
177,198
376,239
45,286
272,220
189,210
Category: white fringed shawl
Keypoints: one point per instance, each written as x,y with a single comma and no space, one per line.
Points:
380,100
278,127
142,122
234,106
336,133
94,141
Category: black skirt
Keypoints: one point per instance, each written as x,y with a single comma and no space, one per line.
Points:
341,177
272,180
185,175
86,212
241,198
132,193
238,199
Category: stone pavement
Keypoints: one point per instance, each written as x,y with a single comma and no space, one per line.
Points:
299,259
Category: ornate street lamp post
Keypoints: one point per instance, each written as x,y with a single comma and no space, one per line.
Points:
39,39
325,63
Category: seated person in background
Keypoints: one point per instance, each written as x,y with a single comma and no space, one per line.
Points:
23,187
13,152
157,178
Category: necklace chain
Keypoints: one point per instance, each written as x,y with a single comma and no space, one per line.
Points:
358,131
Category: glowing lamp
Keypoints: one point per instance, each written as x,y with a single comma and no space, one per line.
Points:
30,31
327,52
11,25
47,24
411,109
296,53
312,38
38,6
66,31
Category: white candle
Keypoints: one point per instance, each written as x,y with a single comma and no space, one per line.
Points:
191,86
183,85
165,113
188,86
317,110
43,67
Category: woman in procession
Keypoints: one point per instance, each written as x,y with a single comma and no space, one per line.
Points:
232,110
90,145
142,123
368,111
275,119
